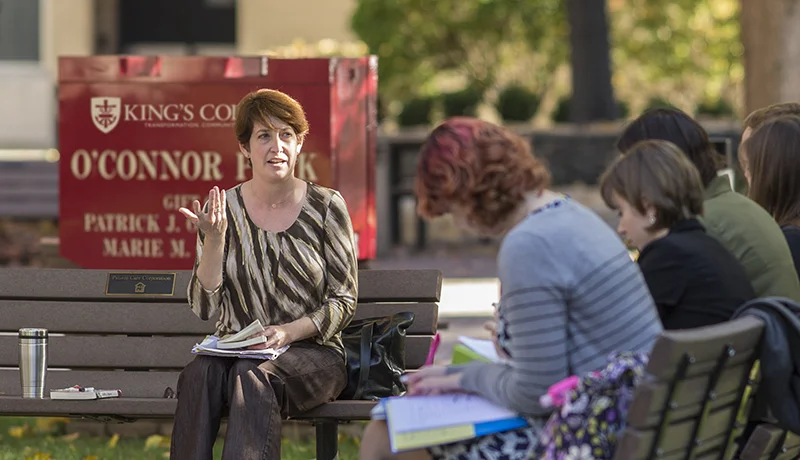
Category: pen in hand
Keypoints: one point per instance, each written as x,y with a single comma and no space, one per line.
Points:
431,355
432,350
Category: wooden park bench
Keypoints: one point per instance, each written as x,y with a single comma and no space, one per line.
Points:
695,401
768,442
139,342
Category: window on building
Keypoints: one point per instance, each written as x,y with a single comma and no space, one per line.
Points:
19,30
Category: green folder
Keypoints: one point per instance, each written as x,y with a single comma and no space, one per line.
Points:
462,354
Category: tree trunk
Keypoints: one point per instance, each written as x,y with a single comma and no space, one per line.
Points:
771,40
592,93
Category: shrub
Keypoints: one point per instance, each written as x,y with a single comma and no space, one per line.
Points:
718,108
623,109
464,102
380,110
562,112
657,102
517,103
416,111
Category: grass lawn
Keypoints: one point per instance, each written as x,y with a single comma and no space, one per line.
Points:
51,439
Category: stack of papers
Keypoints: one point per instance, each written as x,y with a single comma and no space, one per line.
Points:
422,421
243,338
79,392
209,347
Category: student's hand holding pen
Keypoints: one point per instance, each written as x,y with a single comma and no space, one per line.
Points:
433,380
430,379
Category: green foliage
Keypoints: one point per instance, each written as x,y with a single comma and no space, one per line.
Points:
657,102
562,112
623,109
416,111
679,36
689,49
464,102
517,103
380,109
416,40
716,108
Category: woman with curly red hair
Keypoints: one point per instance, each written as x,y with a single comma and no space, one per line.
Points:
570,293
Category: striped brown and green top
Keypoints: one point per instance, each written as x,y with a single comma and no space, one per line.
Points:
310,269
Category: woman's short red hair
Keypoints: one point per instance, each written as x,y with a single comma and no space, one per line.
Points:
478,166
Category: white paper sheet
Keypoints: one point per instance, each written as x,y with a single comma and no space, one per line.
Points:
209,347
418,413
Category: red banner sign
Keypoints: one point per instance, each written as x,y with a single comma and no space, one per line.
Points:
140,137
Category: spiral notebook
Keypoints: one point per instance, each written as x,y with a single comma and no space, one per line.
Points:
422,421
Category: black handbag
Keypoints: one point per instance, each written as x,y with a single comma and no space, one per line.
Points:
376,356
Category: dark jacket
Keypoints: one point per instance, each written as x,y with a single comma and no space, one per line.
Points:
780,357
792,234
693,279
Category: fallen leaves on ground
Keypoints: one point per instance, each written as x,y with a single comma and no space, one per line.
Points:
39,456
19,431
70,437
156,441
49,424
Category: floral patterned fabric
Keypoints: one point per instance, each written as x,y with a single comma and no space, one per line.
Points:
519,444
587,426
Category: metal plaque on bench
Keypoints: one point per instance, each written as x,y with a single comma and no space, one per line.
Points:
157,284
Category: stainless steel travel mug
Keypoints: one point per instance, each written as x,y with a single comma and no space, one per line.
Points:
32,361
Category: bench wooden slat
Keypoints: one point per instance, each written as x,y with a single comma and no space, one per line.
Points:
635,444
126,407
399,285
158,408
72,284
426,315
341,410
691,410
160,318
765,439
705,344
134,384
104,317
78,284
645,410
74,351
158,352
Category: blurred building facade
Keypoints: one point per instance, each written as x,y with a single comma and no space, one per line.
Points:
34,33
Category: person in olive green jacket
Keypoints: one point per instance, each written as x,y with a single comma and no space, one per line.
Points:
741,225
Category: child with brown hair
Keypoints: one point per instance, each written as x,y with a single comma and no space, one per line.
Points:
658,192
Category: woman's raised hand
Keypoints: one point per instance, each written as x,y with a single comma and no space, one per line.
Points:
213,222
